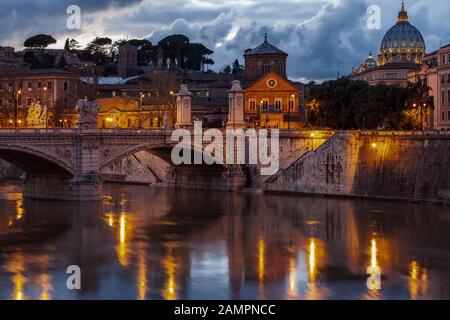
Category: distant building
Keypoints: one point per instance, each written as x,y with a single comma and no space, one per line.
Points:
58,90
71,58
128,61
401,52
120,112
9,62
271,100
435,72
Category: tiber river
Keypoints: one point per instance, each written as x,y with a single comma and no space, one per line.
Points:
155,243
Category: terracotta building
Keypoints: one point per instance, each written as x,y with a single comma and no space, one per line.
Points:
271,100
58,90
435,72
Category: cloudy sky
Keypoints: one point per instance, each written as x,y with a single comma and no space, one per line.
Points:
322,37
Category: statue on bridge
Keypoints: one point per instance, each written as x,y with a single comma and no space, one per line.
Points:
37,116
87,114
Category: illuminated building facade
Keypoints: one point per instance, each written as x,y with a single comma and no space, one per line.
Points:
58,90
435,72
271,100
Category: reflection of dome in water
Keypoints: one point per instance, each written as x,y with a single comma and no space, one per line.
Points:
403,42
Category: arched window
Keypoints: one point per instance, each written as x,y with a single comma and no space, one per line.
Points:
278,104
265,68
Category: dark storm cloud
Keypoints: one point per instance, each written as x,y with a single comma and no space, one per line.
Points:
22,18
322,37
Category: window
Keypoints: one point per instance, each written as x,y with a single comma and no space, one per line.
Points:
252,104
442,79
265,68
113,94
448,114
66,103
278,104
39,85
49,85
29,102
443,59
443,116
30,86
66,86
442,98
291,104
391,75
448,96
265,104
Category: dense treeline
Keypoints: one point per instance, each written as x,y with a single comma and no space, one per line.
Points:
177,52
348,104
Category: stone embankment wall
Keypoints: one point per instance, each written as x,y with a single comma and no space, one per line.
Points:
403,165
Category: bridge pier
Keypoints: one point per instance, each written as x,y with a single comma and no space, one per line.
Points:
62,188
211,178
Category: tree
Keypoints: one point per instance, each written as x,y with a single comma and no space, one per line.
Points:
146,52
166,85
173,47
226,69
40,41
419,108
101,50
100,45
41,61
348,104
72,44
67,45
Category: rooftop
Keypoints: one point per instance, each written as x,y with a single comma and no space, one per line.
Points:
265,49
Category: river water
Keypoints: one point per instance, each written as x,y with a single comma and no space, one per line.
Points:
156,243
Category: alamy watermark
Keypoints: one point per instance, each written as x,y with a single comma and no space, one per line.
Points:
239,146
374,17
73,21
74,280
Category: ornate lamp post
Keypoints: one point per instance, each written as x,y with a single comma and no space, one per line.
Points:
19,94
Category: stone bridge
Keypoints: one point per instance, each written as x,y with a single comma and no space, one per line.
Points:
65,164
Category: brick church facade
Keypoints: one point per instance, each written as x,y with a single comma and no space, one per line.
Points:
271,100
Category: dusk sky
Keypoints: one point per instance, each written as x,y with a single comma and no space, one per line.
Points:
321,36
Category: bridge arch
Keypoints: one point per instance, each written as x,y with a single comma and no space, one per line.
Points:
35,160
162,151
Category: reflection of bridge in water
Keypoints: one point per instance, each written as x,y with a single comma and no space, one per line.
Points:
65,164
158,243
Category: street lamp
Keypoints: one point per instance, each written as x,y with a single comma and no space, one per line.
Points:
289,111
19,93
